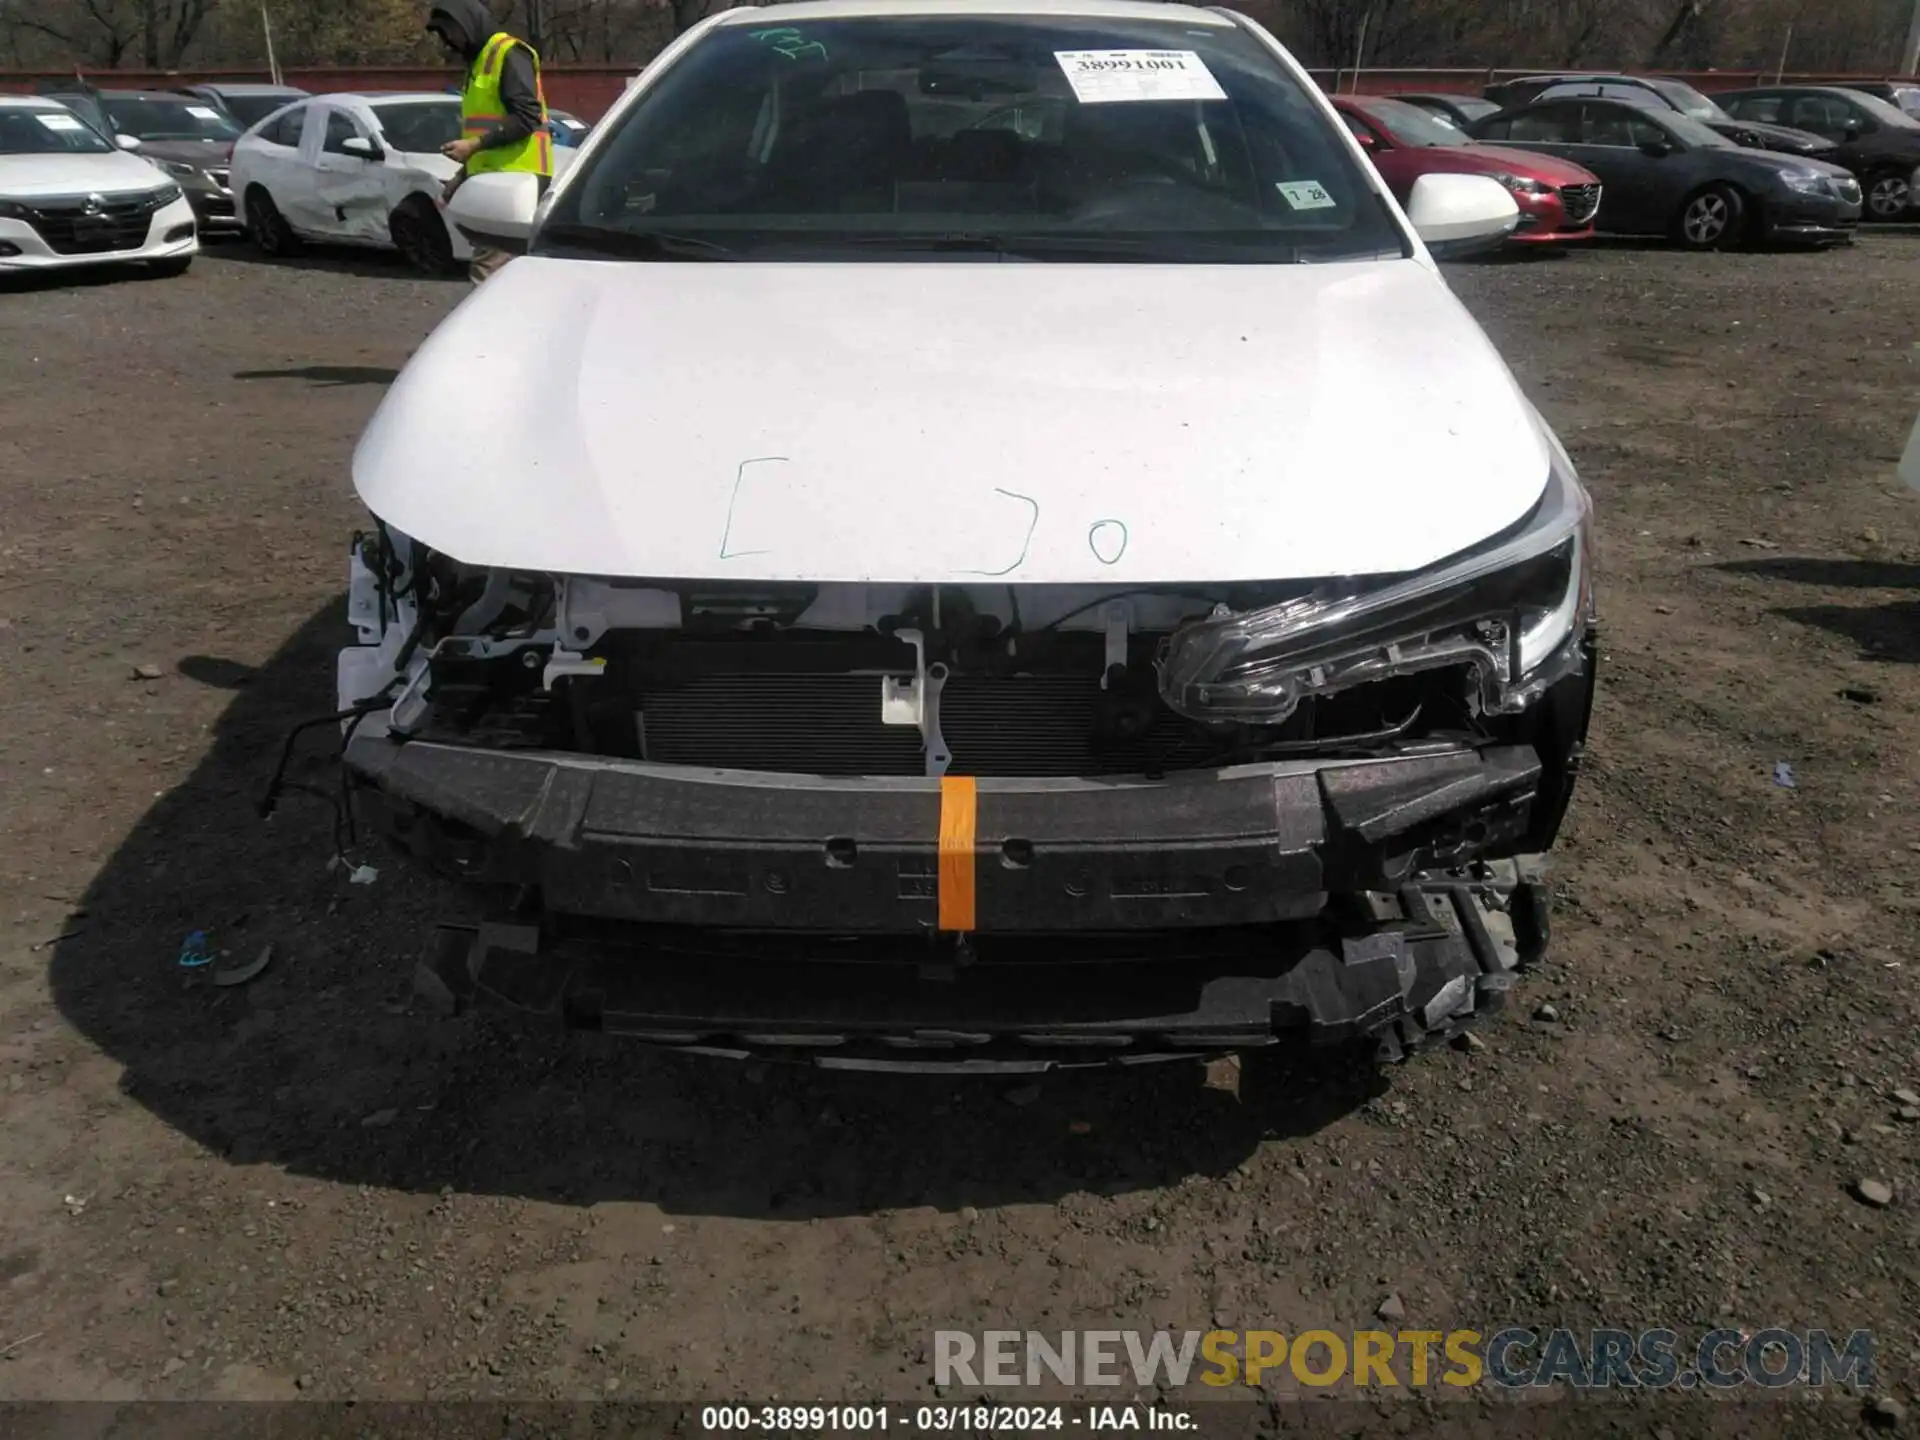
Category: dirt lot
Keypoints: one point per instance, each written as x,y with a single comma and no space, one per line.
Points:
309,1186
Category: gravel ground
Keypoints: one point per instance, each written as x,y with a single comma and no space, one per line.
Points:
307,1186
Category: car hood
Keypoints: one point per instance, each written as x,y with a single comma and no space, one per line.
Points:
1774,137
954,422
1499,160
1780,163
190,152
27,177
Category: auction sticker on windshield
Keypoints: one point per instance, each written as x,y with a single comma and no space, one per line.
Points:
203,112
1104,76
1305,195
59,122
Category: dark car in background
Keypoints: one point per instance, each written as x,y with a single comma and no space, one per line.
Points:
1457,110
247,103
1557,198
1659,93
1903,95
1666,174
1875,140
184,135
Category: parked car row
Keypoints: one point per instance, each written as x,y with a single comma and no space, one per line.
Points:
285,166
1872,131
361,170
69,196
1647,156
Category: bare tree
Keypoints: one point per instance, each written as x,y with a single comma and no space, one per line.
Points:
1862,35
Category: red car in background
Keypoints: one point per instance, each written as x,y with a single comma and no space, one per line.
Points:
1557,198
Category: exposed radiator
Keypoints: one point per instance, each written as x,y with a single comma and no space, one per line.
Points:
1024,725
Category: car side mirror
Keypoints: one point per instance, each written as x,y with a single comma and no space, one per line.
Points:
364,148
496,208
1367,142
1456,215
1656,148
127,142
1853,129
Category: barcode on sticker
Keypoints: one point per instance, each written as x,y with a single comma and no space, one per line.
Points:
1108,76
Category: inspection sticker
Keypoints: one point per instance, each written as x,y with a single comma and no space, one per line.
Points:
1306,195
1103,76
203,112
59,122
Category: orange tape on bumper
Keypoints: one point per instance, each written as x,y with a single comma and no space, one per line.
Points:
959,810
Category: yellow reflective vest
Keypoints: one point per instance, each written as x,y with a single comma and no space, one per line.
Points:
482,112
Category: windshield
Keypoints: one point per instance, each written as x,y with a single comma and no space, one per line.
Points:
250,110
1883,112
1045,137
1689,101
1473,108
423,126
1693,132
169,120
26,131
1410,125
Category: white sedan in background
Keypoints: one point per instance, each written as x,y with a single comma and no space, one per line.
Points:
352,170
70,198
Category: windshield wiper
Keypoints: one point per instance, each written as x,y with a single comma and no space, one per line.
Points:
631,244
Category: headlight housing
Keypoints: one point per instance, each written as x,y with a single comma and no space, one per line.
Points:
1522,185
1807,182
12,209
1512,612
181,169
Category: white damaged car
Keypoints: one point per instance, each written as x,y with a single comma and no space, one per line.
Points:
352,170
973,537
70,198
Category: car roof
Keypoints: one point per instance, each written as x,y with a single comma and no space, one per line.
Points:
1652,97
1574,77
1611,77
1614,100
1842,91
851,9
174,95
384,97
250,88
43,102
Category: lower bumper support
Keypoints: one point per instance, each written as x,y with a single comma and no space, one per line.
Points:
1437,952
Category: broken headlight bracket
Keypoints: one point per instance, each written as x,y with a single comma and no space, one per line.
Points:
1510,611
916,702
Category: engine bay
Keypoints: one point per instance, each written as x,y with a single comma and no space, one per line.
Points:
836,679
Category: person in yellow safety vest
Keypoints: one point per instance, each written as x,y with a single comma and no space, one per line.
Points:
503,107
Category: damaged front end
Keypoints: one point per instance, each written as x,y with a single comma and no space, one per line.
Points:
983,825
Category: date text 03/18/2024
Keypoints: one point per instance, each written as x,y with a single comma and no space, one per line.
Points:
938,1419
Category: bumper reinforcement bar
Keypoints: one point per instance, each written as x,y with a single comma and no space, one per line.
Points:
1439,951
